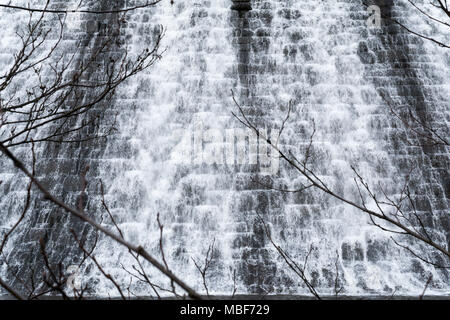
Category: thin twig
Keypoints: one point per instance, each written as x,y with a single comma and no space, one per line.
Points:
135,248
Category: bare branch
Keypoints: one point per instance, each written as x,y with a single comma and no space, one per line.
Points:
46,10
291,263
135,248
319,184
14,293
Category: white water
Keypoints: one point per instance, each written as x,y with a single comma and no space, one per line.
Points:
327,84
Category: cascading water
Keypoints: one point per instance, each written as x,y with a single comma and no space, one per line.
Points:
180,153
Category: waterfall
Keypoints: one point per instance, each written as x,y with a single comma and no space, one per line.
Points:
181,155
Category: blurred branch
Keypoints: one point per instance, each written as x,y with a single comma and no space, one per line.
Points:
10,290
